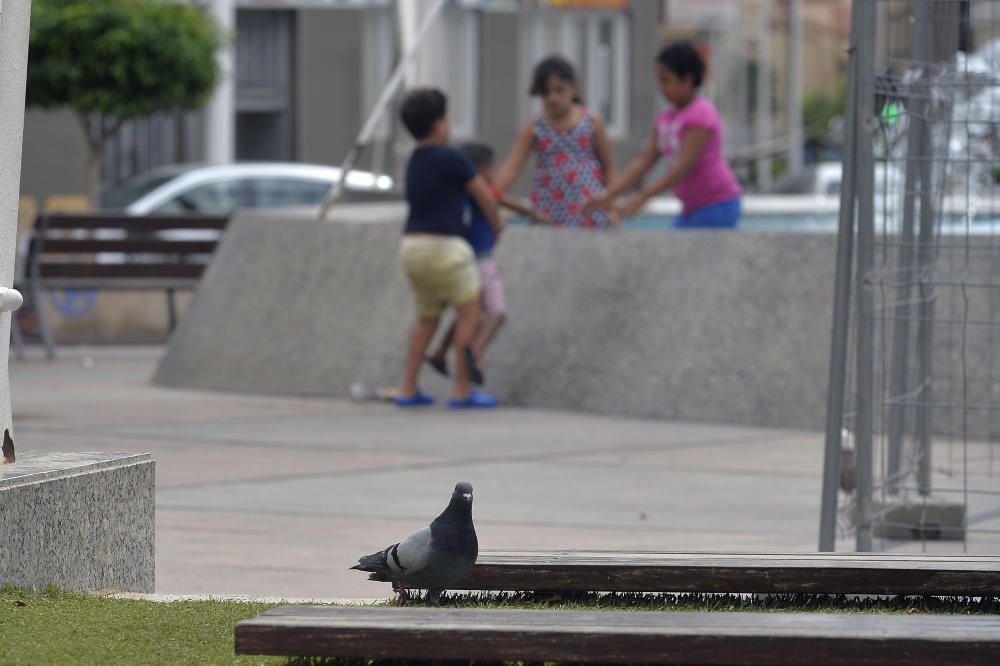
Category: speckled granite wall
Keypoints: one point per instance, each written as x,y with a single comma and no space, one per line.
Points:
82,521
729,327
700,325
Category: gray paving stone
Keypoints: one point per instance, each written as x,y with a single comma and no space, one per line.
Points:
277,496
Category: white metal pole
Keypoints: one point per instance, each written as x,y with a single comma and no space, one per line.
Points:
380,106
15,16
764,90
220,113
795,132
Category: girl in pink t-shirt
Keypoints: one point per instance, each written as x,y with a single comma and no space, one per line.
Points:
689,135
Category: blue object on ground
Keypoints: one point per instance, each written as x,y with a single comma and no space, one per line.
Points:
74,302
476,400
418,399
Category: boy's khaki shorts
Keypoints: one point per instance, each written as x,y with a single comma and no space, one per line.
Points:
442,271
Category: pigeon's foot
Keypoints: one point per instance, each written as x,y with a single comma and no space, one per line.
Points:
402,596
434,598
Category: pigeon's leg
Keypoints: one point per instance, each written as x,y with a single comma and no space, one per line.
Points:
434,597
402,596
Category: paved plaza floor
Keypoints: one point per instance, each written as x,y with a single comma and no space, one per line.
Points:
278,496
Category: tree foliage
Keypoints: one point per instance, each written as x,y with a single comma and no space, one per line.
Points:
821,107
121,58
117,60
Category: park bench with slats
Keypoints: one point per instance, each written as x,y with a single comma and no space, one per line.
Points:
662,637
118,252
775,639
827,573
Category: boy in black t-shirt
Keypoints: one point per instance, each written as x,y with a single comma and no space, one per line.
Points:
437,260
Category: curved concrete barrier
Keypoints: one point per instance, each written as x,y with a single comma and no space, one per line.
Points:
727,327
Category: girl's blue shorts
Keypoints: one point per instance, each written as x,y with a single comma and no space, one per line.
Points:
723,215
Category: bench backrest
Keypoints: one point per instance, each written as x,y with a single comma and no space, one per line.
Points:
113,250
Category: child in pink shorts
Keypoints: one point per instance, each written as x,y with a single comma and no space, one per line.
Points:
483,241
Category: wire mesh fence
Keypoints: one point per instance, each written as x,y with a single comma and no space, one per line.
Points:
913,431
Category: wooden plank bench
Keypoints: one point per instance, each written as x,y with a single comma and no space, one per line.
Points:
820,573
622,637
99,251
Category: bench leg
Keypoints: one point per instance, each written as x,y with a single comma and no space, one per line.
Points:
171,309
38,298
17,339
16,336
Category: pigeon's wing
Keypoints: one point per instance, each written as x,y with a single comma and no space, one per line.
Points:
412,554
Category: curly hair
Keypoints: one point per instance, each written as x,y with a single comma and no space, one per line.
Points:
683,59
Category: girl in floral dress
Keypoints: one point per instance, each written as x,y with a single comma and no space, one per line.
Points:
573,154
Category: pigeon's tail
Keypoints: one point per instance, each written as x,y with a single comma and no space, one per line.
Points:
376,563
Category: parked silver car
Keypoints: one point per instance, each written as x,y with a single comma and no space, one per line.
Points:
193,188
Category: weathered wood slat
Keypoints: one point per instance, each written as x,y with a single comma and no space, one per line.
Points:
147,246
720,572
129,223
123,284
781,639
85,271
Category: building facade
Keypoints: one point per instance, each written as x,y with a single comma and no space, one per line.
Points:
307,73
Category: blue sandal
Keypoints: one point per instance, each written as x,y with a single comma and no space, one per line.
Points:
418,399
476,400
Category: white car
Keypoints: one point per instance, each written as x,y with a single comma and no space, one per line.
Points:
192,188
824,179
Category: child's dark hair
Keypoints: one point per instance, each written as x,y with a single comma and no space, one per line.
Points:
421,108
479,154
554,65
683,59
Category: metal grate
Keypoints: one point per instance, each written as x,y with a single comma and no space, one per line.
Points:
914,407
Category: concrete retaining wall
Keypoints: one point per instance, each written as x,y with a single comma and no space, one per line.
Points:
727,327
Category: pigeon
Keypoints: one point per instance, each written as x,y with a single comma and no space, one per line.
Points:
432,558
8,447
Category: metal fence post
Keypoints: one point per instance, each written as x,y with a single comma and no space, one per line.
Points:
916,156
866,263
841,302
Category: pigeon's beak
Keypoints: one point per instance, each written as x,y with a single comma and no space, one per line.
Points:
467,496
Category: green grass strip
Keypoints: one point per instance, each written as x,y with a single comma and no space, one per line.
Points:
59,627
774,603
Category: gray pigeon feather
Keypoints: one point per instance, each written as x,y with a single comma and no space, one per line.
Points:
434,557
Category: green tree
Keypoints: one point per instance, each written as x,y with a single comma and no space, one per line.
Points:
113,60
821,107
